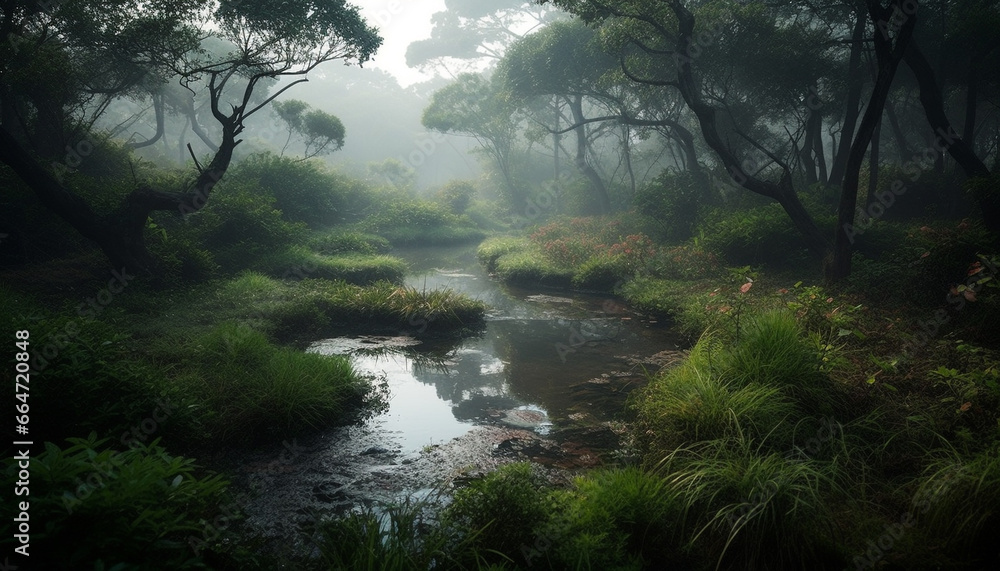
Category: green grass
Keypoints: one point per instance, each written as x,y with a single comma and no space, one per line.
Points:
618,518
956,509
701,399
500,511
492,249
774,351
340,241
249,389
299,262
602,273
756,510
94,500
529,267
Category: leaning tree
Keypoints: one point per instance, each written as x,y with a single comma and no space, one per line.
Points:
62,63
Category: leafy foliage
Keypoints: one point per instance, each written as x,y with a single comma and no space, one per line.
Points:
136,507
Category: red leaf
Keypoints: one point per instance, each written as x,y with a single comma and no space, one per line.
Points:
746,287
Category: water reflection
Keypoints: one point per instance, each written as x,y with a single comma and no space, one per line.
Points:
545,361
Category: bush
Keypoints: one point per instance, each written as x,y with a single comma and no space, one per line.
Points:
457,196
420,222
88,380
684,263
674,203
503,510
92,507
341,241
303,191
761,236
239,226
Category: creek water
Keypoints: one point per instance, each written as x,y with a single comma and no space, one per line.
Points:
545,382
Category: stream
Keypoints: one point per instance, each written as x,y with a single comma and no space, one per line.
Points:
546,382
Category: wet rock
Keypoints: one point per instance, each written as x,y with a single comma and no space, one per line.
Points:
541,298
329,492
375,450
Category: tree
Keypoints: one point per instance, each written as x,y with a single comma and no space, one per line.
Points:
321,132
564,60
120,48
683,40
473,30
474,105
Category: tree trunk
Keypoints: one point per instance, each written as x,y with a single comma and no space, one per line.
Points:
855,79
948,139
806,153
897,132
873,160
889,57
600,190
782,192
118,234
818,150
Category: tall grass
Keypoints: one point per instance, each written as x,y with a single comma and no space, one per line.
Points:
701,400
499,513
249,389
339,241
530,267
755,509
774,351
617,518
957,506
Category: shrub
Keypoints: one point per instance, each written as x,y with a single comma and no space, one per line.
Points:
684,263
303,191
674,203
341,241
763,235
503,509
239,225
420,222
92,381
456,195
93,507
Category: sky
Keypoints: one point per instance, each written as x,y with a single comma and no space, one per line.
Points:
399,22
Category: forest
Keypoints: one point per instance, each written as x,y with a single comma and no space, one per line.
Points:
458,284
